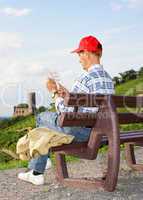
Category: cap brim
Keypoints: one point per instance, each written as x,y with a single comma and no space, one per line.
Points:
77,50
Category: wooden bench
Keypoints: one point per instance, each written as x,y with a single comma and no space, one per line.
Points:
105,130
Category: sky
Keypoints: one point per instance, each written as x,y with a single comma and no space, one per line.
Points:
36,37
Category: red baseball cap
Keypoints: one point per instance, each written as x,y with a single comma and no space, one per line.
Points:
89,43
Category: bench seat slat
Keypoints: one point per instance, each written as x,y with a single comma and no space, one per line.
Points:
126,136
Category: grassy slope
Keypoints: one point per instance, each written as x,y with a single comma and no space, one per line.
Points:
130,87
8,138
10,135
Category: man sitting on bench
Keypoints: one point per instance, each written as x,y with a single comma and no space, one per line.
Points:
94,80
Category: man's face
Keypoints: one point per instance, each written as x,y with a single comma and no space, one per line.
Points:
84,59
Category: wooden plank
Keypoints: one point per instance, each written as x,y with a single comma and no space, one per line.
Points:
93,100
82,99
129,118
127,136
128,101
77,119
75,145
89,119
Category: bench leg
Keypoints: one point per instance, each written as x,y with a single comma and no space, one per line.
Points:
61,167
82,183
108,183
111,177
130,157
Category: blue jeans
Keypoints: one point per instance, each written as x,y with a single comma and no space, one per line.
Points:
49,120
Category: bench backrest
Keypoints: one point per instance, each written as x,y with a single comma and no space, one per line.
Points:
105,103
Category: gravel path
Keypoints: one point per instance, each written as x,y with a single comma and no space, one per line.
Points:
130,183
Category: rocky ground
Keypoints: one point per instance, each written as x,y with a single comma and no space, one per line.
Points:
130,183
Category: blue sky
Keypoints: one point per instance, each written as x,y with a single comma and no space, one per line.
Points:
37,37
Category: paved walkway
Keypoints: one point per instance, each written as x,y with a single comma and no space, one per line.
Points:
130,184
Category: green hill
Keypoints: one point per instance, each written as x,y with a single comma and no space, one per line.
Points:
131,87
11,130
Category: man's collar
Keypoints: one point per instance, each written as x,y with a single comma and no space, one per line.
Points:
94,66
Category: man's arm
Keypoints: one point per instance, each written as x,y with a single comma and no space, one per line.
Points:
78,87
59,100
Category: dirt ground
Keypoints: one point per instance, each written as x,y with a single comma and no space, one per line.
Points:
130,183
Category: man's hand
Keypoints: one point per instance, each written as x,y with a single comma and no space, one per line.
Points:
62,91
51,85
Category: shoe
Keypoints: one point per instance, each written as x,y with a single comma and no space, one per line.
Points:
49,164
29,177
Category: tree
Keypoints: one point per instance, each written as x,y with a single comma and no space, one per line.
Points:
132,74
116,80
22,105
42,109
128,75
140,72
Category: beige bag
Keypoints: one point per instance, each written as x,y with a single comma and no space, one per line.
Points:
22,148
39,141
42,139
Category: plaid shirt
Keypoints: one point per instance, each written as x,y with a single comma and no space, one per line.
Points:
95,81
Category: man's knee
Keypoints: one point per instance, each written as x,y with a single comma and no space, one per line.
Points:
46,118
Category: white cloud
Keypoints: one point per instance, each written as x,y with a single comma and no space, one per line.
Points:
134,3
110,33
10,40
116,6
16,12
